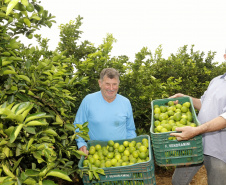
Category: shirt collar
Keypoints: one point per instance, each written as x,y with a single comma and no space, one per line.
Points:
224,76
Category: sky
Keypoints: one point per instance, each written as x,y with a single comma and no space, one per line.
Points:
144,23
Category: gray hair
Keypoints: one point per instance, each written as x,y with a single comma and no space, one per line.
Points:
110,73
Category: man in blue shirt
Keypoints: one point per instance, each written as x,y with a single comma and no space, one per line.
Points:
109,114
212,116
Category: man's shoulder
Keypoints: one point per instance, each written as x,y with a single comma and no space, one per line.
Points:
121,97
92,96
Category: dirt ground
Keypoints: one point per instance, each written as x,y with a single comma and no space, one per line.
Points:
163,176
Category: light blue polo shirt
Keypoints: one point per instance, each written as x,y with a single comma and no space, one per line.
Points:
214,105
107,121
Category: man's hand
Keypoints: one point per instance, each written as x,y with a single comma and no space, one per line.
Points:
177,95
84,149
187,133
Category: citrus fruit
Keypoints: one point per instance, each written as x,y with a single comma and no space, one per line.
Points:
177,116
170,113
135,154
116,145
132,143
108,164
125,158
91,160
111,143
96,156
113,161
125,143
157,111
124,164
143,149
156,116
144,140
159,128
110,155
187,104
98,147
156,106
92,151
170,103
110,149
178,106
126,153
85,162
184,109
192,124
142,155
138,145
118,157
163,109
97,163
183,121
132,149
121,148
164,130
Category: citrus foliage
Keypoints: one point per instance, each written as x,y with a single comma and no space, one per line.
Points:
37,109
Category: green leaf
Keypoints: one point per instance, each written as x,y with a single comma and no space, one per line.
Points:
58,119
4,63
22,107
51,132
69,127
23,77
24,114
7,72
16,164
90,175
29,143
30,172
79,126
6,151
85,124
15,107
30,181
73,79
27,22
30,130
48,182
37,123
34,16
24,2
15,133
59,174
3,142
96,175
11,5
81,152
7,171
84,137
35,116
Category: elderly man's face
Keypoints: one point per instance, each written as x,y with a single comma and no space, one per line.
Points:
109,88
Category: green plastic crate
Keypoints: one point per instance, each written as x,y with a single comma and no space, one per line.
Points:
172,152
136,174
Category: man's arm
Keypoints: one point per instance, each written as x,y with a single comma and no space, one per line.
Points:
81,117
210,126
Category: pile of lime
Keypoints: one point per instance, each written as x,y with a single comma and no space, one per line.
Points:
170,116
115,154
